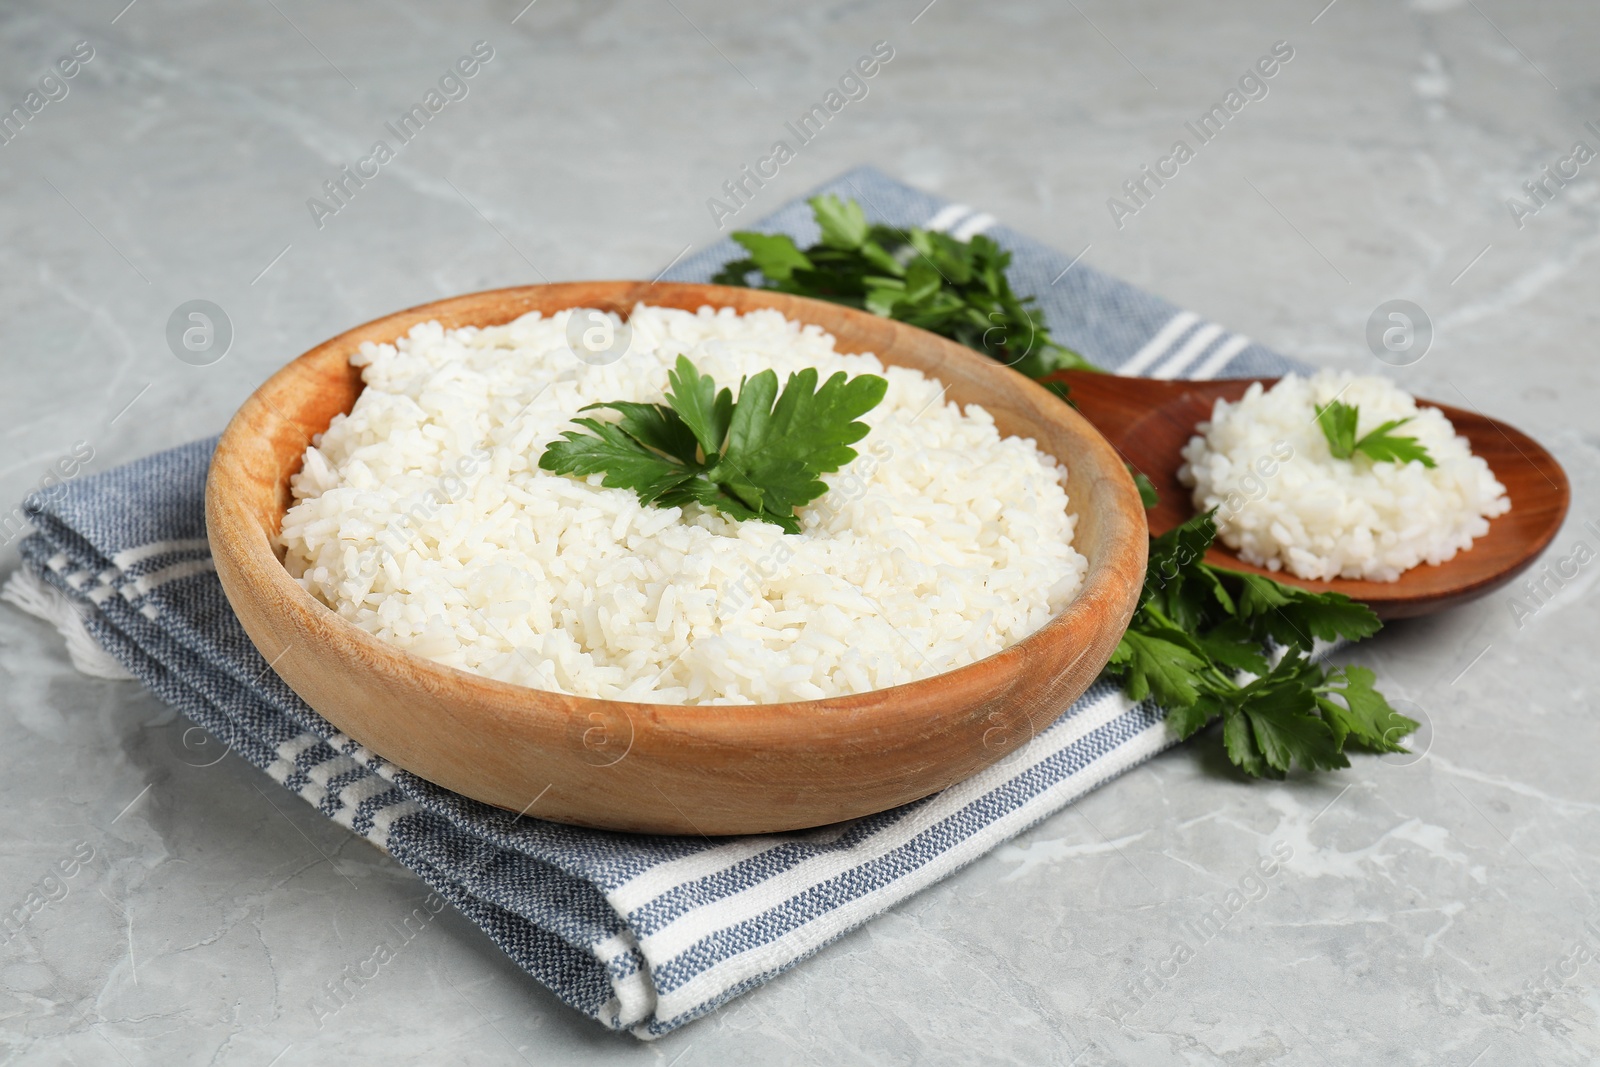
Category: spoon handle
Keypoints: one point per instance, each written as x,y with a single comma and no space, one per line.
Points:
1114,403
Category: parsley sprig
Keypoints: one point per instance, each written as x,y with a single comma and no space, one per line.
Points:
957,289
1210,643
1206,642
1338,422
755,457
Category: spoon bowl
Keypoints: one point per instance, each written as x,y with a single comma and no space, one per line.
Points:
1149,421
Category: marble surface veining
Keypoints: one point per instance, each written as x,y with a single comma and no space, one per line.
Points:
1437,910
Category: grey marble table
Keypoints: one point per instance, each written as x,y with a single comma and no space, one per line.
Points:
1434,910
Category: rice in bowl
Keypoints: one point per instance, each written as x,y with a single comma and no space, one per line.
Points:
422,517
1284,502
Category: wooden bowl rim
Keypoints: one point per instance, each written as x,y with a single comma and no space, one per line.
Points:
873,713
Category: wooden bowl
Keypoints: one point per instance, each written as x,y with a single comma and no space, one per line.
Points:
655,767
1149,421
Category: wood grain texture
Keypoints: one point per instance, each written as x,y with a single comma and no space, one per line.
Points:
655,767
1149,421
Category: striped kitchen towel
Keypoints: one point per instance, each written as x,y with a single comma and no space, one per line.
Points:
640,933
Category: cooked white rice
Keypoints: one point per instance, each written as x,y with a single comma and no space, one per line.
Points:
422,517
1284,502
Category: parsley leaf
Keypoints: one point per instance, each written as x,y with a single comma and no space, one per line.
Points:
1147,489
1338,422
1235,645
1381,445
782,448
775,255
843,223
694,399
957,289
1210,643
1153,663
655,426
1240,743
1296,617
626,463
757,457
1286,730
1365,715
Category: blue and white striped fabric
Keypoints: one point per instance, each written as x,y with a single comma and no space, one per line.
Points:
640,933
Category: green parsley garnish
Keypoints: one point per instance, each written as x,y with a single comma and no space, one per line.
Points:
1200,643
1203,638
1147,489
749,458
1338,422
957,289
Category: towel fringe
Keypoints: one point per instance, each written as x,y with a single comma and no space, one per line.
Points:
36,597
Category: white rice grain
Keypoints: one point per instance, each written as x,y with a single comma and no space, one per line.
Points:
423,517
1285,503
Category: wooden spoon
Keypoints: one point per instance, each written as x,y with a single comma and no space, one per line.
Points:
1149,421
